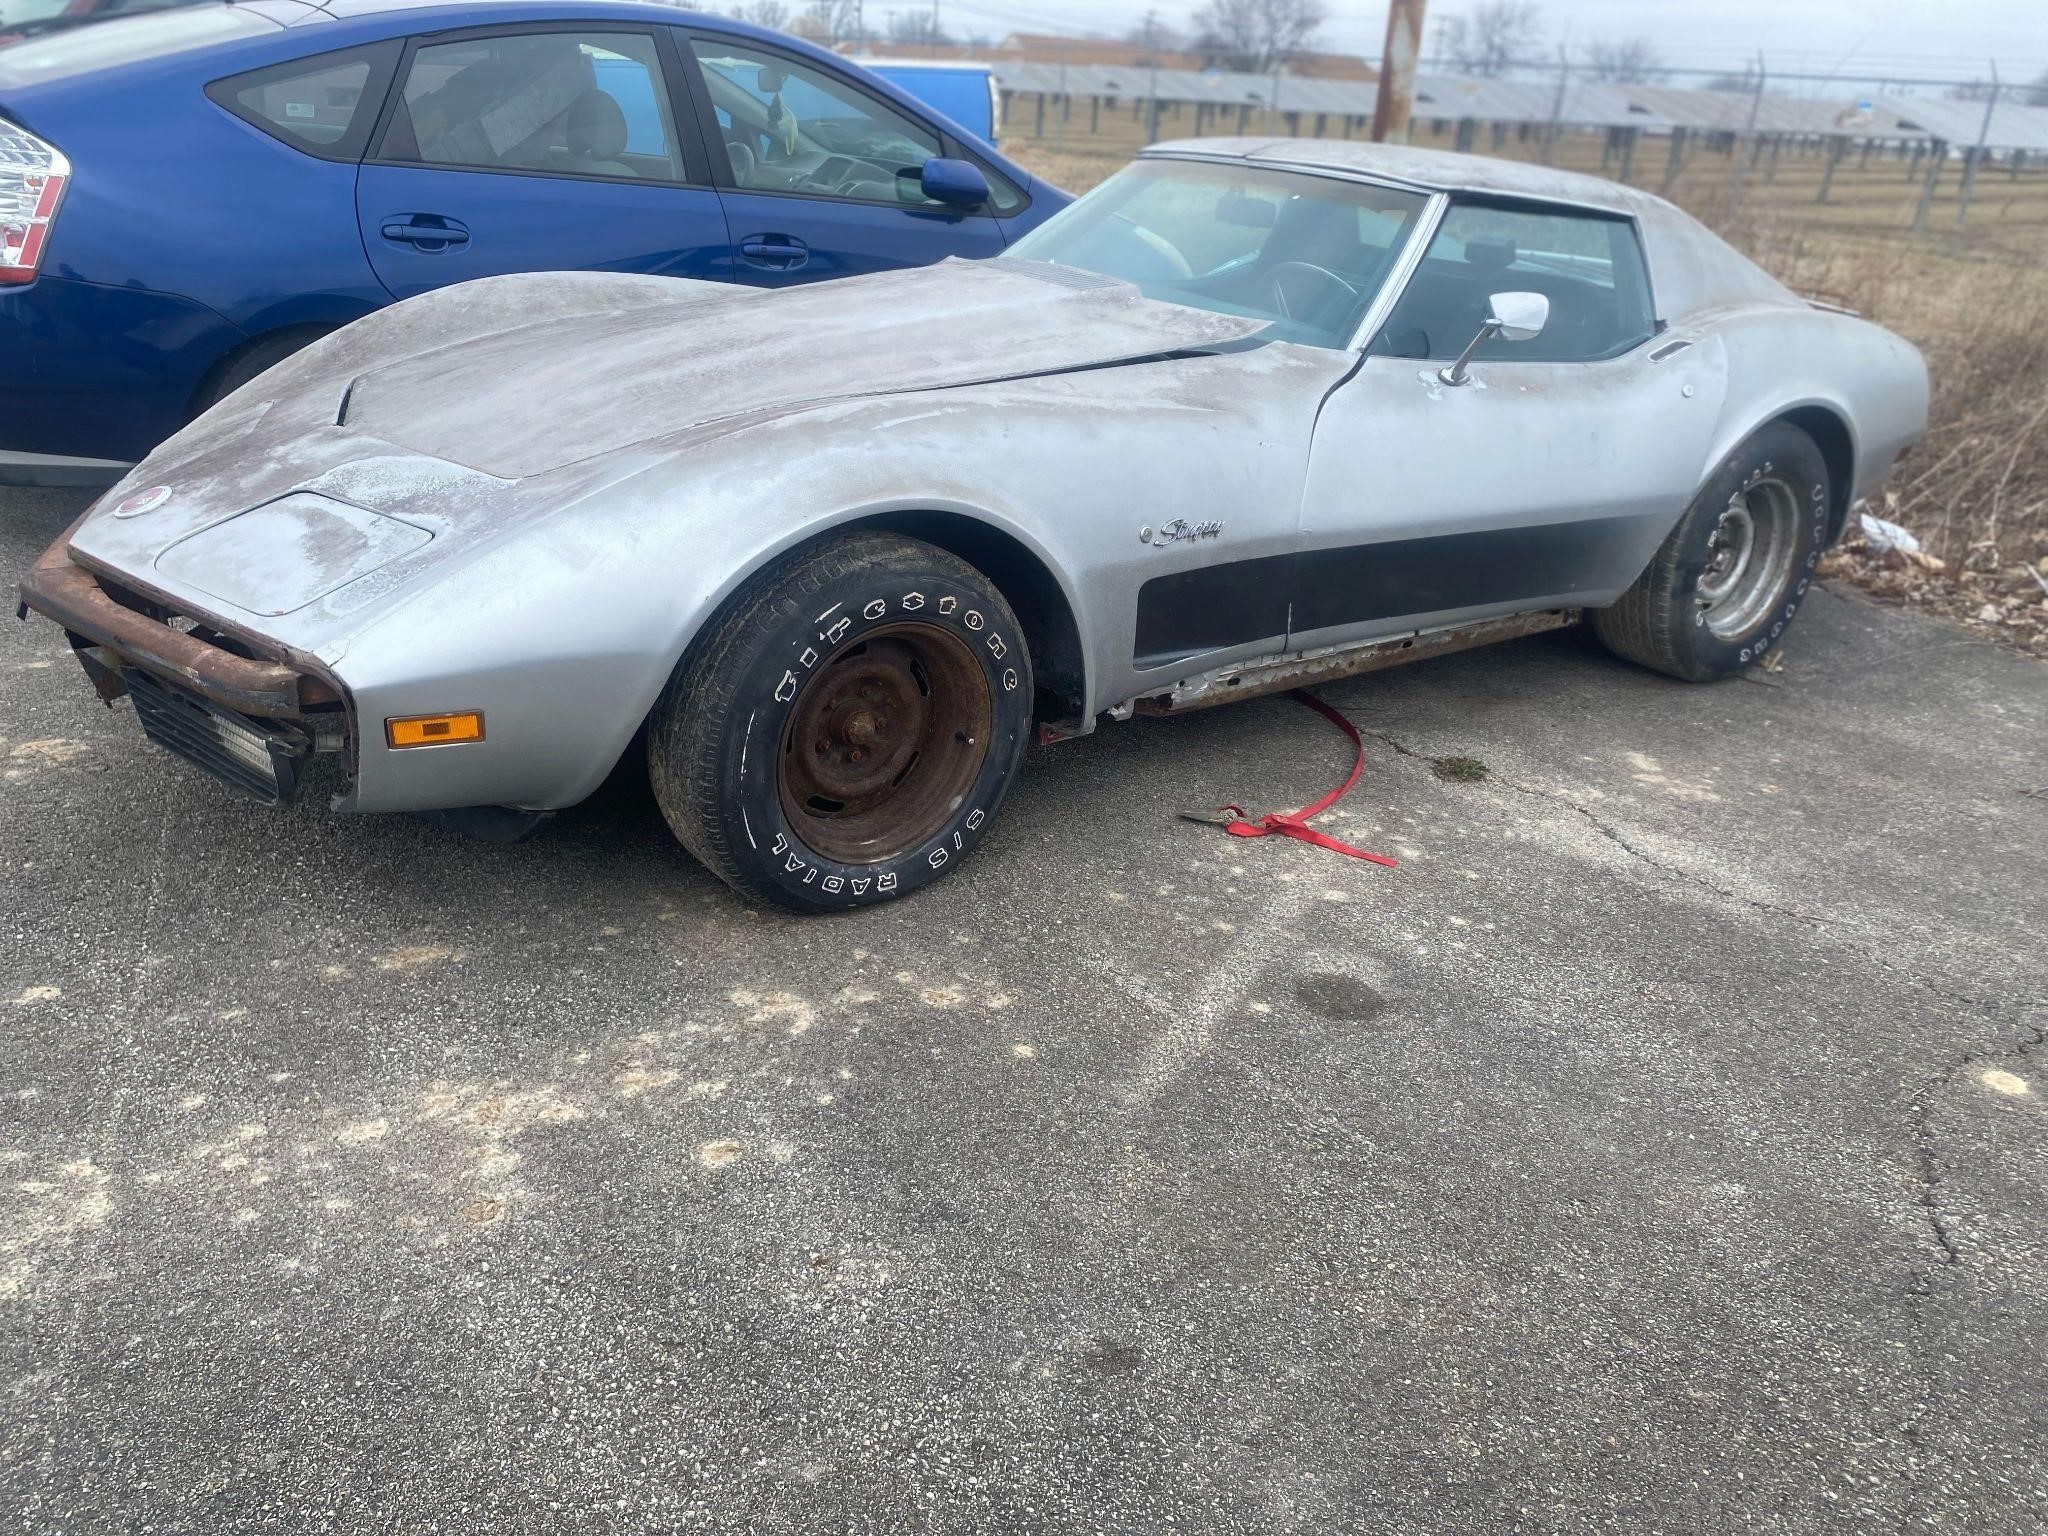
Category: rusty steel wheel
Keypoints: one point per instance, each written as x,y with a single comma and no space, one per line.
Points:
883,744
845,732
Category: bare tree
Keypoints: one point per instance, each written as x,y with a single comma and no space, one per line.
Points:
918,26
1257,34
1154,35
1626,60
1492,37
1973,90
830,21
2037,93
765,13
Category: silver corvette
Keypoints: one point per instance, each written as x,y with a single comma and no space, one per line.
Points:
1250,414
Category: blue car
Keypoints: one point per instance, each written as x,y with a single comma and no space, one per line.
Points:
187,197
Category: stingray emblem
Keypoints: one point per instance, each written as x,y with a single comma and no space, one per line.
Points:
142,501
1181,531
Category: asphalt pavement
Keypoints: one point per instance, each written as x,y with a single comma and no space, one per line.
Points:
1658,1149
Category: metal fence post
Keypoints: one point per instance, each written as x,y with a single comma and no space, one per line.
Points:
1675,163
1564,69
1066,103
1756,103
1837,148
1152,108
1976,155
1937,156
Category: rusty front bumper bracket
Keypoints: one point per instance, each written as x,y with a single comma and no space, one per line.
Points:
60,588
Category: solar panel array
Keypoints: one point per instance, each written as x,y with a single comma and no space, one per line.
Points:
1589,104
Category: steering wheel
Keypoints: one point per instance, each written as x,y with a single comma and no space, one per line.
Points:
1281,269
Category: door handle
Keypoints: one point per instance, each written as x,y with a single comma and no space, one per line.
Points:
426,232
777,253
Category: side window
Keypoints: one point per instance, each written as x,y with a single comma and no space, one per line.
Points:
789,127
560,103
1590,268
324,105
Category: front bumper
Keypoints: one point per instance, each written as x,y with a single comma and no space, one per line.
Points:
212,697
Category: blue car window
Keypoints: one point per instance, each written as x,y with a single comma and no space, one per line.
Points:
325,105
313,106
790,128
563,103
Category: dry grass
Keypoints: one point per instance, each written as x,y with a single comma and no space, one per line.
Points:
1975,302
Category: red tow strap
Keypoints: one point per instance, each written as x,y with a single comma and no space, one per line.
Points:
1295,824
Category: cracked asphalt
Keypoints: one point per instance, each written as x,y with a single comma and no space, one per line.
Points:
1659,1149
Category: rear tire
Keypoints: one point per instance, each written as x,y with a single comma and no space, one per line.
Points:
1722,588
846,730
259,357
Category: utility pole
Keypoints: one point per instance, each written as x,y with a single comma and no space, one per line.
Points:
1395,101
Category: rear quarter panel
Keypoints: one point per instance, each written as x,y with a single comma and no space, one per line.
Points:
1782,359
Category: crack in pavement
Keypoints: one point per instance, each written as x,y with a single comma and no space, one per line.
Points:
1614,835
1927,1172
1927,1161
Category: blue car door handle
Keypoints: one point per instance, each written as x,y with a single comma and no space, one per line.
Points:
778,253
426,231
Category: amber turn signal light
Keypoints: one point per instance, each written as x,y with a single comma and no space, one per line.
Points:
434,730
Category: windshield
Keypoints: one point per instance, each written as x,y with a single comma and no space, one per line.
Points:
1305,252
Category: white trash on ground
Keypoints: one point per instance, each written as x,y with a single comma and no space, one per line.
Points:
1882,536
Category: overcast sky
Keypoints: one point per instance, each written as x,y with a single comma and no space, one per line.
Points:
1861,38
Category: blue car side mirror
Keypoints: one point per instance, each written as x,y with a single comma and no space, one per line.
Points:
956,182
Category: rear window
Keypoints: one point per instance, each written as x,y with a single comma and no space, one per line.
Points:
324,105
127,40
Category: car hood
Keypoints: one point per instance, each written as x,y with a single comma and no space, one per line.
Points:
560,390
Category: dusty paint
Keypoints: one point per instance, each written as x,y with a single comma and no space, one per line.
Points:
39,994
1998,1080
716,1154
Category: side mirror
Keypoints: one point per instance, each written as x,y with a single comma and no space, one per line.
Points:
1511,317
958,183
769,81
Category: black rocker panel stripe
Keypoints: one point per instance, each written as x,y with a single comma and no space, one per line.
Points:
1220,606
1212,606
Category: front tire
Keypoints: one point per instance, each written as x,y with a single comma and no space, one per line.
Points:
846,731
1724,585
